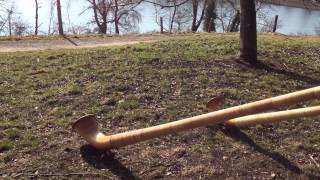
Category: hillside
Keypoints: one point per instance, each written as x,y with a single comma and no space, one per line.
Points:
135,86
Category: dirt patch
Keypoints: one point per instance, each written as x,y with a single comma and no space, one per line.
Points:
75,42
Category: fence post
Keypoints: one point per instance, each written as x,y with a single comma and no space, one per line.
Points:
161,25
275,23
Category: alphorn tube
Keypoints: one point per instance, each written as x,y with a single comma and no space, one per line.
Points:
273,117
87,126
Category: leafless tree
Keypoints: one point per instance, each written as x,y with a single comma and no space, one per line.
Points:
10,12
121,14
101,9
36,27
228,15
168,10
59,15
248,31
10,21
125,15
210,16
3,19
183,18
19,27
197,16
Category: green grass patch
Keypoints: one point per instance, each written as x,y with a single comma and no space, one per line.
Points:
129,87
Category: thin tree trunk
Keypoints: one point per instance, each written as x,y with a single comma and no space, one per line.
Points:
10,12
95,14
210,16
60,23
248,31
234,27
104,17
275,24
36,19
195,13
161,25
116,19
173,16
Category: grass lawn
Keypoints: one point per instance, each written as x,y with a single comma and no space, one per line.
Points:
128,87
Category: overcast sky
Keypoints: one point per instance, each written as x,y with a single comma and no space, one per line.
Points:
293,20
27,13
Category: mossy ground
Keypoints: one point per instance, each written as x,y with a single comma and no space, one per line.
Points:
128,87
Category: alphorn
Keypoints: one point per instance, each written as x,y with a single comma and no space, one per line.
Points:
267,118
87,126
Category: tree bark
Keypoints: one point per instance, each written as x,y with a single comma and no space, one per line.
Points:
196,24
248,31
234,27
104,17
116,19
275,24
10,12
173,16
60,22
210,16
36,19
96,11
195,13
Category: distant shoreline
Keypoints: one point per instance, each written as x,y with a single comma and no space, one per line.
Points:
295,3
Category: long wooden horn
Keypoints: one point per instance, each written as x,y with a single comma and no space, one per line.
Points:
272,117
87,126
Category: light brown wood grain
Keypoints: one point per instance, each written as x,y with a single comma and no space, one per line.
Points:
101,141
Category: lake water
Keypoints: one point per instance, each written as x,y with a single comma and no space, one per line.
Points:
293,20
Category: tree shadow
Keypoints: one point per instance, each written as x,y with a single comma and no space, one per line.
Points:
70,40
105,160
269,67
236,134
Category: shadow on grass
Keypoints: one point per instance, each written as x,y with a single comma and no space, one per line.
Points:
277,70
105,160
70,40
236,134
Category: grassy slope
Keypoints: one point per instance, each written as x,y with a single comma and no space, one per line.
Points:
41,93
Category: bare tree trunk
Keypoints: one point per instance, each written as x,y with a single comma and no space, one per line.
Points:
275,24
248,31
116,19
96,11
195,13
60,23
234,27
196,24
161,25
210,16
173,16
36,28
104,17
10,12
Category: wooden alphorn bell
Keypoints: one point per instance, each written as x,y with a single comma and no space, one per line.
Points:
87,126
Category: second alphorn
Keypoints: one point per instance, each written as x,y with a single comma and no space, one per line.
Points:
87,126
272,117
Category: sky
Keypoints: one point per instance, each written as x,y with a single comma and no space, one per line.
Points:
27,10
293,20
